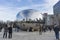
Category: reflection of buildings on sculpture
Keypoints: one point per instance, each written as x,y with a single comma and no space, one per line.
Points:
28,15
56,9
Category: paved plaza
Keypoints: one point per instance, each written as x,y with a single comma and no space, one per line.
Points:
30,36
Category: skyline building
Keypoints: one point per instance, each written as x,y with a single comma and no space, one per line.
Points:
56,8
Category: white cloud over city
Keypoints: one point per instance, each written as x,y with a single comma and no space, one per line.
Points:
9,12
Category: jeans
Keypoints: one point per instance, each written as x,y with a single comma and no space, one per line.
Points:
10,35
57,35
5,35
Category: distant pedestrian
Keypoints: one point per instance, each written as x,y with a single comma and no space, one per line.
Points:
30,29
5,31
49,28
56,30
40,29
18,28
44,28
10,32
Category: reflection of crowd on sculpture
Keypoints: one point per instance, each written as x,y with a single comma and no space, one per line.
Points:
20,27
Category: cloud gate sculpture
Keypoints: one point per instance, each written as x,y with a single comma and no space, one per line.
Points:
28,14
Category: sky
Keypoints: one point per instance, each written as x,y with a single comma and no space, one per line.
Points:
10,8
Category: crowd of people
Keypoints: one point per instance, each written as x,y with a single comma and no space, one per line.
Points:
8,30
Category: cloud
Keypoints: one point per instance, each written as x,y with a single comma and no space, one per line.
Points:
36,15
51,2
45,7
7,13
18,0
41,7
49,5
31,1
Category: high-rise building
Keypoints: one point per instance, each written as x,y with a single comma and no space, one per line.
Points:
56,8
45,17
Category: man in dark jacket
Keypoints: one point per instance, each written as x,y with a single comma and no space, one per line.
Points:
56,30
10,32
